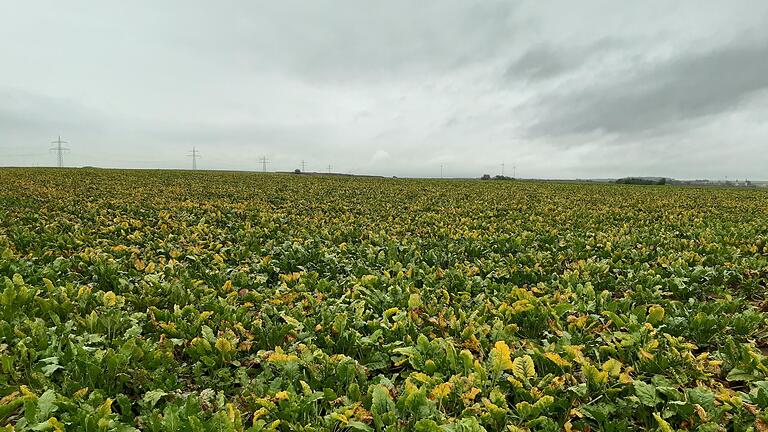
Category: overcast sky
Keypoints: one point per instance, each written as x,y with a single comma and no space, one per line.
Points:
557,89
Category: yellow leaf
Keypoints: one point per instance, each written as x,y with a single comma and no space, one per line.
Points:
224,345
25,391
515,382
261,412
557,359
655,314
523,367
56,424
575,352
105,409
612,366
414,301
442,390
340,417
501,356
663,425
421,377
231,412
8,398
110,298
594,375
645,354
280,357
470,395
83,290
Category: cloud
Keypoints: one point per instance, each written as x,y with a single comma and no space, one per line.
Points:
544,61
347,41
22,111
460,83
380,156
659,95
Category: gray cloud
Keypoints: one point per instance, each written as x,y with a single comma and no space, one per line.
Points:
681,89
350,41
391,88
545,61
542,62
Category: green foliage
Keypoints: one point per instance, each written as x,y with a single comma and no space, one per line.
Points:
172,301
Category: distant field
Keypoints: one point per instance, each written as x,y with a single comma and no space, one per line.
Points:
214,301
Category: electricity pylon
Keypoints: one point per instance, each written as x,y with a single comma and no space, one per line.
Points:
264,161
194,154
59,150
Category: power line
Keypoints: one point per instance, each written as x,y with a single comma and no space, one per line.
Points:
59,150
264,161
194,154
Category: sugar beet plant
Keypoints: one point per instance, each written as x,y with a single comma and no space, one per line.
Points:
172,301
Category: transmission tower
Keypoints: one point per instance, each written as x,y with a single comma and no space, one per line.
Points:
441,170
303,166
59,150
329,168
502,169
264,161
194,154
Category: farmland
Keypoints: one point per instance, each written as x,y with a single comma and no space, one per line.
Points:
214,301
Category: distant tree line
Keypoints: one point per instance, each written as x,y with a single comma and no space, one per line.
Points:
497,177
641,181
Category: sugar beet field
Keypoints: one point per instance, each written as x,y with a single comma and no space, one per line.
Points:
215,301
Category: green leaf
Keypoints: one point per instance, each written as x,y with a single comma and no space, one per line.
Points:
208,334
426,425
152,397
46,404
740,375
171,421
382,406
359,426
615,318
48,370
646,393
